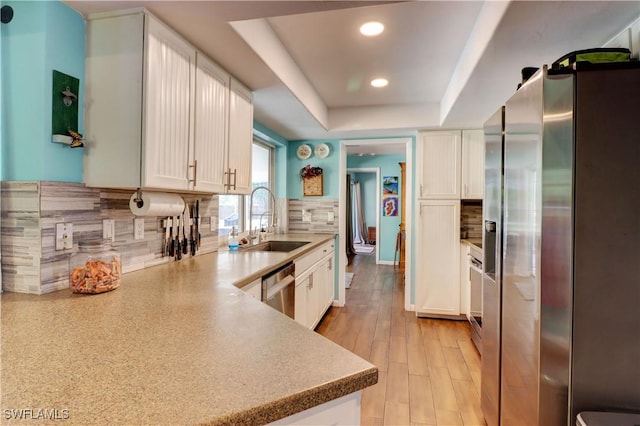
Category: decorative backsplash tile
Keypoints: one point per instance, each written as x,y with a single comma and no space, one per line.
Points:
319,210
471,218
31,210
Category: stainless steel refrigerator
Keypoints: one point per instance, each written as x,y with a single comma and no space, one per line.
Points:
561,279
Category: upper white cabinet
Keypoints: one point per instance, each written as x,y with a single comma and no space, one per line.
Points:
240,139
439,165
211,125
159,114
472,165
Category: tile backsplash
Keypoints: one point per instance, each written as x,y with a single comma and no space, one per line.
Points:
31,210
471,218
317,211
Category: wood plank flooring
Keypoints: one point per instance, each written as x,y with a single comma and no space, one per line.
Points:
429,370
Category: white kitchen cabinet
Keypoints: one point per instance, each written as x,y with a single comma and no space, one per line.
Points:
140,77
344,411
159,114
315,282
240,139
301,313
472,165
438,258
211,126
439,157
325,297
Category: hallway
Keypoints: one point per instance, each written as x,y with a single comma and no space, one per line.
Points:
429,370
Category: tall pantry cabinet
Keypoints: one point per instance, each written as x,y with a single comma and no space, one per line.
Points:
448,168
156,107
438,244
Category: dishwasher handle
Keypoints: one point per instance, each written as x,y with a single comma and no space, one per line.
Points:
272,291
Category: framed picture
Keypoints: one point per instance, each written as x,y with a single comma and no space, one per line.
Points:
390,205
390,185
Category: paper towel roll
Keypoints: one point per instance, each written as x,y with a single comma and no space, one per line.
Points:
156,204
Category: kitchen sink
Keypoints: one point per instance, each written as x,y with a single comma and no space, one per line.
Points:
282,246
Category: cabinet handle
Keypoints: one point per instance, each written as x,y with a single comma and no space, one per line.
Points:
195,172
228,173
421,190
235,176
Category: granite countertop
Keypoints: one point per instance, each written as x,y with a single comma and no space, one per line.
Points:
175,344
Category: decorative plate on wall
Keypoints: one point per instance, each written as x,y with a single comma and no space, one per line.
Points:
304,151
322,150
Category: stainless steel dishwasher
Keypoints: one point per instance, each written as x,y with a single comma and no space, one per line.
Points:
278,289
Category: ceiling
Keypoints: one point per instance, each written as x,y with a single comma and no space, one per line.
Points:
450,64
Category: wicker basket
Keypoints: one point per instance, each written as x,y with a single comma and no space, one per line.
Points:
312,186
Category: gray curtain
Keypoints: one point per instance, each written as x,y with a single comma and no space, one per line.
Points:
359,225
350,251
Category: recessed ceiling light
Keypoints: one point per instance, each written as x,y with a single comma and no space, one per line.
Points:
379,82
371,29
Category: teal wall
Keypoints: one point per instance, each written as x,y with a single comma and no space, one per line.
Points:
330,169
43,36
389,225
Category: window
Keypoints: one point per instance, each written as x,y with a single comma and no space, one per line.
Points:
234,209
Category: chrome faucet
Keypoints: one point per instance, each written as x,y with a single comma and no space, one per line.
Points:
274,219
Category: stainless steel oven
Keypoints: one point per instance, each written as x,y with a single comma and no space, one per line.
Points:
475,312
278,289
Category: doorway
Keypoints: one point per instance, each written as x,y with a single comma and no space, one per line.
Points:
405,145
365,241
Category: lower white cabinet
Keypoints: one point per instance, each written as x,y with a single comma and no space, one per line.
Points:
344,411
315,282
438,259
301,311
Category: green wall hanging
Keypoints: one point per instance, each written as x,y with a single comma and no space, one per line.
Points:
64,111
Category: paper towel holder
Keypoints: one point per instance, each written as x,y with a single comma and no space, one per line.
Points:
138,199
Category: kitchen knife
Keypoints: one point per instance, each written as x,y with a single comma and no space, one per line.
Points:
167,242
192,238
172,243
177,240
197,215
185,221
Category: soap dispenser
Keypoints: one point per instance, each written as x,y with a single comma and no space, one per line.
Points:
233,240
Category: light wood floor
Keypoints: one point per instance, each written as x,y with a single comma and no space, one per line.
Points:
429,370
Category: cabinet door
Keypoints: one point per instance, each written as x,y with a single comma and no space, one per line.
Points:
113,121
312,300
472,164
438,264
240,138
168,107
439,165
300,310
211,120
330,284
